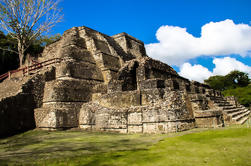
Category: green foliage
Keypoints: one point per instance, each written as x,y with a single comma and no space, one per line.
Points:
221,147
27,20
243,94
216,82
47,40
235,83
236,79
9,60
232,80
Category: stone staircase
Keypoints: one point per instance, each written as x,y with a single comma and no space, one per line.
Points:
233,113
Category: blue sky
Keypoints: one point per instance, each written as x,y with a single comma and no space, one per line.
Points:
143,18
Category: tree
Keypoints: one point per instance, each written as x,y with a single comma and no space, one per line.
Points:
216,82
243,94
9,60
47,40
237,79
27,20
232,80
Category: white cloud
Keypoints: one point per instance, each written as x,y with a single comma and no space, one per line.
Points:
196,72
176,45
222,67
225,65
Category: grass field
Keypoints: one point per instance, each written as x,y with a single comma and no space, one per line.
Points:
216,147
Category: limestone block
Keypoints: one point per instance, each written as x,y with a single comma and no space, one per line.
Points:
131,45
87,115
208,122
100,88
149,96
45,118
150,128
184,125
76,53
158,115
167,127
67,90
56,118
136,49
81,70
135,118
115,85
102,46
135,128
111,62
108,75
158,69
152,84
120,39
71,37
63,105
209,118
120,99
208,113
232,100
123,131
50,51
199,101
141,73
111,119
107,61
162,127
175,100
151,115
85,31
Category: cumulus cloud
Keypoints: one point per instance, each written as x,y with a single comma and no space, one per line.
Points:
222,67
196,72
176,45
225,65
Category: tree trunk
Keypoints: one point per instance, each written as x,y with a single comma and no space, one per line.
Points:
20,53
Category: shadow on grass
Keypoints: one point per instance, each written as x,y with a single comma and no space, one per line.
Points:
40,145
88,148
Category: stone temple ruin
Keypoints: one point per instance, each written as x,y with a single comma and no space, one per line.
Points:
108,83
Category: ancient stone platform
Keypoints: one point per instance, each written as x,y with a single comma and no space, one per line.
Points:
108,83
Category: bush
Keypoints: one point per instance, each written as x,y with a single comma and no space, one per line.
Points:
243,94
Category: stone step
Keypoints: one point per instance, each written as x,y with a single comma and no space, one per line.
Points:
221,101
230,111
244,120
235,114
229,107
241,106
216,98
241,116
224,105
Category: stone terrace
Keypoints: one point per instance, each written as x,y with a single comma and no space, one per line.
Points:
105,83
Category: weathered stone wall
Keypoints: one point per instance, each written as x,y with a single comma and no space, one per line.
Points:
209,119
232,100
151,109
16,114
139,119
130,45
76,76
17,111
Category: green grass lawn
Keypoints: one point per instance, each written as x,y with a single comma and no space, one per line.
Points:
216,147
